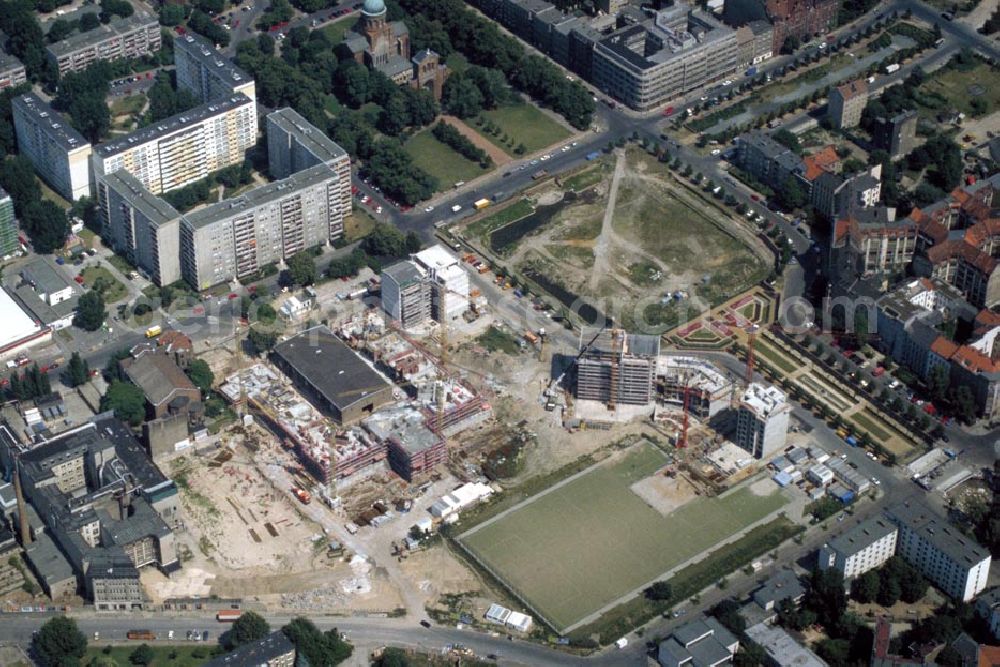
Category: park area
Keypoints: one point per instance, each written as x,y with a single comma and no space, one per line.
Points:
626,237
441,161
520,123
959,87
583,545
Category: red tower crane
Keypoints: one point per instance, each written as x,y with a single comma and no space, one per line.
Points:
751,336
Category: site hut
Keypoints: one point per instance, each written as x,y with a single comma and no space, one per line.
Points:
617,367
860,548
762,420
332,375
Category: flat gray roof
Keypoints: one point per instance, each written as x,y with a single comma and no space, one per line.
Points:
9,62
103,33
157,210
862,535
205,52
48,561
313,139
403,273
935,529
169,125
44,276
55,126
259,196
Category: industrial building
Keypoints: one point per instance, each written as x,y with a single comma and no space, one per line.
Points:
332,375
701,643
762,420
167,389
104,506
862,547
236,237
708,391
130,37
406,294
204,71
951,560
59,153
414,449
616,367
140,226
47,281
12,71
184,148
20,331
449,282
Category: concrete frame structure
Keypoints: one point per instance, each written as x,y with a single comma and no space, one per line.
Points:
450,284
406,294
130,37
59,153
762,421
616,364
708,390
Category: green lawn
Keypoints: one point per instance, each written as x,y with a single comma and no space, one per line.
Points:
185,655
113,290
573,550
484,226
584,179
121,264
440,161
950,89
130,105
336,30
774,357
867,422
523,123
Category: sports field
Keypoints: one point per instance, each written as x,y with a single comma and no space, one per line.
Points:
571,551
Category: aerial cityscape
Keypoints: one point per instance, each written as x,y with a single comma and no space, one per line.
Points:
522,332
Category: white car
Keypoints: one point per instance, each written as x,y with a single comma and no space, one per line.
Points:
428,209
876,481
378,209
716,151
727,82
546,157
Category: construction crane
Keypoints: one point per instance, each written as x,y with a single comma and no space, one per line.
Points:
241,405
683,440
751,337
617,340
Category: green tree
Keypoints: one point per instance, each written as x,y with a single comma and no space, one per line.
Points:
89,311
91,117
302,268
126,400
58,642
78,371
201,375
266,314
171,15
261,341
393,657
938,382
319,648
727,612
142,655
826,595
791,195
89,21
660,590
965,403
865,587
249,627
835,651
888,591
461,97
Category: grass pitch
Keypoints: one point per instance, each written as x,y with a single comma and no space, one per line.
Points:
441,161
571,551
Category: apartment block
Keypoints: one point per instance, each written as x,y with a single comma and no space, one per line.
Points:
616,367
450,283
12,71
951,560
140,226
406,294
897,134
762,421
846,102
204,71
59,153
184,148
130,37
863,547
294,144
800,18
753,41
9,243
236,237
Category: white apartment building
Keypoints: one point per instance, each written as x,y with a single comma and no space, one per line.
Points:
12,72
863,547
951,560
184,148
406,294
140,226
130,37
762,420
59,153
450,282
204,71
236,237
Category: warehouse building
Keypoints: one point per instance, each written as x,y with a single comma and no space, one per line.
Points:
130,37
140,226
616,367
59,153
184,148
332,375
406,294
204,71
863,547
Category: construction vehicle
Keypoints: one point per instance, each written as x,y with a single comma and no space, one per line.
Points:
228,615
531,337
141,635
480,204
154,331
304,497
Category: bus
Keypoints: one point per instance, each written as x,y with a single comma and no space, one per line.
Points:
228,615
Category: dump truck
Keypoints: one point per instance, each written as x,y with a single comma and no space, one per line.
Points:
481,204
154,331
531,337
142,635
228,615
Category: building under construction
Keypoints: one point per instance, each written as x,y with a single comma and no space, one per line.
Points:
451,406
616,367
708,390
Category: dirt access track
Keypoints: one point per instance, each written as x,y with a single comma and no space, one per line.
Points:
499,157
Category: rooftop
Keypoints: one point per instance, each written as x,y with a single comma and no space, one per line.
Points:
330,366
117,27
600,341
257,197
947,539
55,126
167,126
313,139
782,648
48,561
256,653
764,399
156,210
44,276
782,586
158,376
9,62
404,273
205,52
403,424
853,89
862,536
17,324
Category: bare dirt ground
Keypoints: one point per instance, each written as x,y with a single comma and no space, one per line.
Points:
664,494
436,572
499,157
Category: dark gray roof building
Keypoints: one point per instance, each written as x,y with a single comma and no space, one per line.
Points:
700,643
275,650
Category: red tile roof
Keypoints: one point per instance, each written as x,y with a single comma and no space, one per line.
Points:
944,347
989,656
972,359
820,161
853,88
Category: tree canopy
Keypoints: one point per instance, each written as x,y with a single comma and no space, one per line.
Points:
249,627
78,371
200,375
58,642
89,311
126,400
321,649
302,268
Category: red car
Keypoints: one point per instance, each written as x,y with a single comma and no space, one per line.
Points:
668,111
198,310
233,295
755,197
79,279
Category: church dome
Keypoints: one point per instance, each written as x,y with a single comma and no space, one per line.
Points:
373,7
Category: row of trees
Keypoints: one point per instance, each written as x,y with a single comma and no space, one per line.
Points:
450,136
41,219
896,580
467,93
454,27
